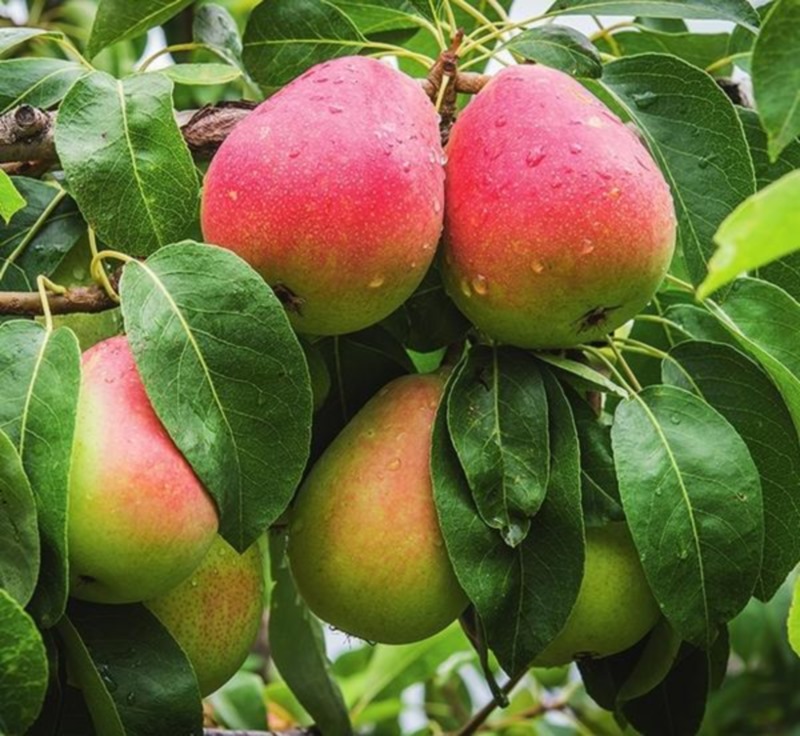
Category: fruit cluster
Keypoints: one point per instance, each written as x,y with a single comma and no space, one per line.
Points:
556,227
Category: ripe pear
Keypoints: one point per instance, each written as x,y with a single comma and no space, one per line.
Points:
215,613
139,519
615,607
333,190
365,547
559,226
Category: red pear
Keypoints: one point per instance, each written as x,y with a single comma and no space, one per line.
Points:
559,226
333,189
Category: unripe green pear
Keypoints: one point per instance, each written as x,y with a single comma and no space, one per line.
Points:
559,226
333,190
615,607
215,613
365,547
139,519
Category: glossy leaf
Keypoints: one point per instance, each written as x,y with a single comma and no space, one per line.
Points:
698,323
40,82
776,75
215,26
763,319
763,228
19,535
738,11
201,74
239,703
657,657
11,201
39,236
134,676
697,522
297,645
230,383
696,138
126,162
497,416
11,37
117,20
560,47
739,390
23,668
379,16
41,378
283,38
523,595
582,375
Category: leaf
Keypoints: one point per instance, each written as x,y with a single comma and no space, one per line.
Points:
698,323
19,535
39,82
739,390
696,520
11,201
697,139
298,647
201,74
40,235
763,228
793,623
117,20
239,703
229,382
524,595
380,16
738,11
583,376
776,75
11,37
215,26
41,378
560,47
127,164
284,38
23,668
134,676
763,319
497,416
658,654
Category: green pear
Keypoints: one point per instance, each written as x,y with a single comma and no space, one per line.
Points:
365,547
214,614
615,607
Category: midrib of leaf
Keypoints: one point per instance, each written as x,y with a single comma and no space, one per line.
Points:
35,86
207,373
686,499
518,617
496,402
133,160
33,231
29,393
789,116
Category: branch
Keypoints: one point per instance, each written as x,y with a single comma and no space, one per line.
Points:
291,732
26,133
78,299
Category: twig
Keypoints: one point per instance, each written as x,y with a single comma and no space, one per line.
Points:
290,732
475,723
26,134
77,299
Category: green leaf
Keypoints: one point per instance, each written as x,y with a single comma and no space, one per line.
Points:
126,162
215,26
239,703
523,595
39,237
793,623
117,20
40,82
738,11
497,416
560,47
23,668
11,201
229,383
583,376
283,38
201,74
739,390
658,654
41,378
19,535
697,139
134,676
699,49
698,323
776,75
11,37
763,319
298,648
763,228
696,520
380,16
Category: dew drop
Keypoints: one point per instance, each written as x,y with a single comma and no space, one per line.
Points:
294,153
500,122
535,157
588,247
575,147
443,159
466,290
406,166
130,698
480,285
394,464
537,267
595,122
614,193
432,156
194,583
742,497
437,205
683,554
335,109
233,195
643,100
377,282
675,419
706,160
